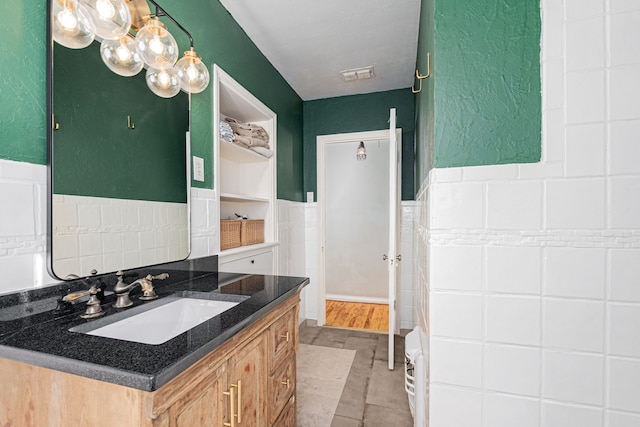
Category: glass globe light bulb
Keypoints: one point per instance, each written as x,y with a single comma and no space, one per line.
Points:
163,82
193,74
105,9
156,46
71,26
121,56
112,18
67,20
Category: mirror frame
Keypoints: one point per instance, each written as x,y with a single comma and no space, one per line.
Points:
49,152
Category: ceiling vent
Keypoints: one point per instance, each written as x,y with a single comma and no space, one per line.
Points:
361,73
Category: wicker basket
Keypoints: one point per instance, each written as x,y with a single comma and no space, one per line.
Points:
252,232
230,233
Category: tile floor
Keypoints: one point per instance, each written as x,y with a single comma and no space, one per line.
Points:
373,396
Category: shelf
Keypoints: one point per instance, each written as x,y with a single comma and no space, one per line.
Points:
239,154
228,197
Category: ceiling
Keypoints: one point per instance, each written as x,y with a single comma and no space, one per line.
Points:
310,41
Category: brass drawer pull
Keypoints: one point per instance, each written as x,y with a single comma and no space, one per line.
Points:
286,336
287,383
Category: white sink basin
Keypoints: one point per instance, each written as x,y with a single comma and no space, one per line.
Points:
160,324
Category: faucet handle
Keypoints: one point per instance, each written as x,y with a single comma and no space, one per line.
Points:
75,295
147,287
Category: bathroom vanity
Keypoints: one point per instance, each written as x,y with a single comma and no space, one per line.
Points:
235,369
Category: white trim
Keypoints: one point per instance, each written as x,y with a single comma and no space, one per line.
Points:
351,298
321,141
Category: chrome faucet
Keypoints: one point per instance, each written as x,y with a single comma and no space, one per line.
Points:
122,289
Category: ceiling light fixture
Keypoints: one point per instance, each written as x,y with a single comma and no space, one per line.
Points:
361,73
76,23
361,152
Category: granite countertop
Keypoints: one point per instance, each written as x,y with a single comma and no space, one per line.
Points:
35,333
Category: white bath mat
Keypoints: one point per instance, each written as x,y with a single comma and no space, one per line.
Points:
321,375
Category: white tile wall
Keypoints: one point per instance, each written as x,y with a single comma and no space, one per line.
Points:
450,406
550,287
624,384
23,230
617,419
503,410
512,369
205,222
90,233
23,226
456,362
565,415
573,377
513,319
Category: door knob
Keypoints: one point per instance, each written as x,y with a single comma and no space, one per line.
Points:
399,257
385,257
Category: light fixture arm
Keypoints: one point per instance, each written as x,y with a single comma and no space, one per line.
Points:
161,12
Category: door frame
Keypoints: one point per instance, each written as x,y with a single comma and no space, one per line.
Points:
321,142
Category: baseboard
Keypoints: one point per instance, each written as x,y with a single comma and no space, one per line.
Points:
350,298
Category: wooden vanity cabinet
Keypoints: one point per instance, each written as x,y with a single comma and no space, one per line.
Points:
256,367
255,373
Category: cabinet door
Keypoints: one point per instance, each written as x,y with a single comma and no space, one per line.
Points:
203,405
248,379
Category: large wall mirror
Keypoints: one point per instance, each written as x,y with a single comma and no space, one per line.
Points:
118,167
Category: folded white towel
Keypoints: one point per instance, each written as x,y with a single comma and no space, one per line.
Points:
266,152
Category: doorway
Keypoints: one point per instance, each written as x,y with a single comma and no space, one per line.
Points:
354,205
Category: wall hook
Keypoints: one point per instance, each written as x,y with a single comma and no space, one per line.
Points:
130,124
55,125
421,77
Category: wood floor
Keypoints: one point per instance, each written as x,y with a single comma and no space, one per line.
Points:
357,315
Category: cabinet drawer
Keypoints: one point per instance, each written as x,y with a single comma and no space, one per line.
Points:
281,339
281,386
288,415
261,263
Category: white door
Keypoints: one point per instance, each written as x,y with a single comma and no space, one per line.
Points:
393,256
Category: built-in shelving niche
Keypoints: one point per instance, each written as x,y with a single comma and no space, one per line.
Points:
245,180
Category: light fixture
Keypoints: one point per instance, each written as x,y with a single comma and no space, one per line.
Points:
121,56
361,153
163,82
193,74
76,23
156,45
361,73
70,24
111,18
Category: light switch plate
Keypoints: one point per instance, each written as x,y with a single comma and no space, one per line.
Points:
198,169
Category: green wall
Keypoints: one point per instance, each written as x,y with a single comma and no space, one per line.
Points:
359,113
22,81
94,151
425,99
217,38
487,82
